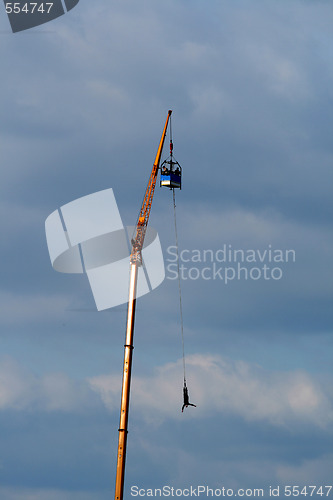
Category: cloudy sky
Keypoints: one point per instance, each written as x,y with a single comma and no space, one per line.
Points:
83,103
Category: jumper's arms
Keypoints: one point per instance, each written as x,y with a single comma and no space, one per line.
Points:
141,227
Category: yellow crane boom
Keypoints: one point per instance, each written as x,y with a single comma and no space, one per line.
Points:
135,263
137,242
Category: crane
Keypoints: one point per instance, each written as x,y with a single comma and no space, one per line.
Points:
171,179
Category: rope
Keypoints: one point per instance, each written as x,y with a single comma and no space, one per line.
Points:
179,287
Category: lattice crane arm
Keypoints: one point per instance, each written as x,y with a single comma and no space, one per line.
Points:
141,227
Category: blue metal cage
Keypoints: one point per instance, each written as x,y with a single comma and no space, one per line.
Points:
171,175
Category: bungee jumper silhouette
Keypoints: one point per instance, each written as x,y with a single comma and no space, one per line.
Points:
186,398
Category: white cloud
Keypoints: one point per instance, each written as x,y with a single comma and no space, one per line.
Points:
209,101
314,471
16,389
225,386
108,387
215,384
283,75
22,390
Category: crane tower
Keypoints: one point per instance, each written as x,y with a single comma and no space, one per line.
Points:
170,177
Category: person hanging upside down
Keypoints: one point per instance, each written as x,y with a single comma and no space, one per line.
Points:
186,398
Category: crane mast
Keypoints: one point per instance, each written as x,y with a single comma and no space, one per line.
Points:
135,263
